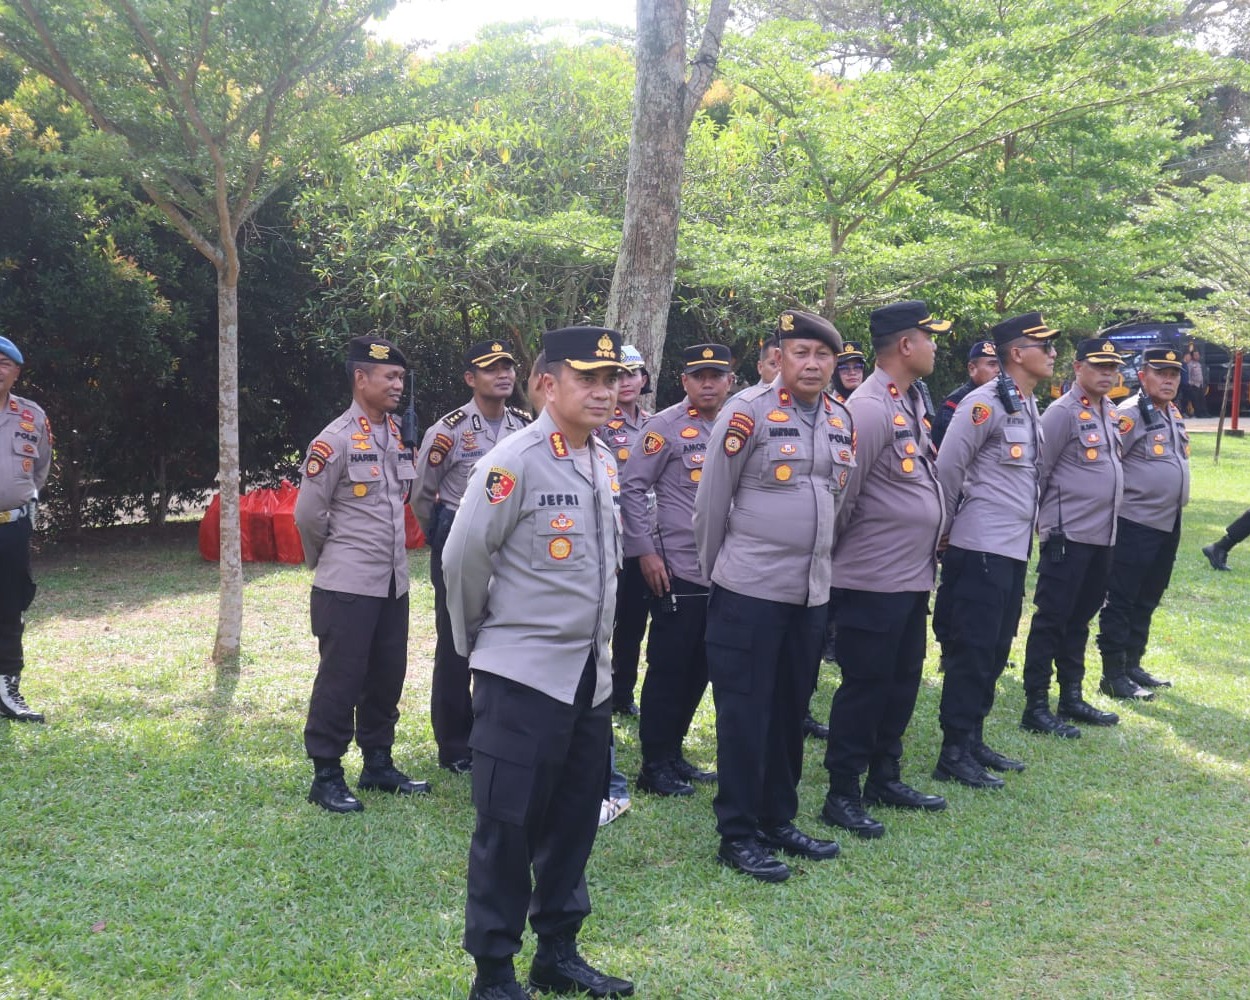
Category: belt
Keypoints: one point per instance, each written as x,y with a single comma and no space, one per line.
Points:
13,515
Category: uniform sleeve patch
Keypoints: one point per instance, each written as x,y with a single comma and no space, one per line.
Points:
314,467
439,448
499,485
321,450
652,443
1125,424
980,413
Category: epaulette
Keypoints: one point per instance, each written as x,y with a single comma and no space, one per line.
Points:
455,417
520,414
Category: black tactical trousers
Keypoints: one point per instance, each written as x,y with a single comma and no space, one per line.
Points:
537,785
982,594
1068,595
451,710
762,657
880,645
676,670
633,599
17,590
364,656
1141,569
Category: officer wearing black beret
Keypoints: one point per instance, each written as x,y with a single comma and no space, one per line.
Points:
531,567
1155,448
1082,487
988,468
450,449
982,366
24,469
892,512
350,514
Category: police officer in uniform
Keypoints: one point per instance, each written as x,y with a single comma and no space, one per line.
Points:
1155,446
621,434
26,464
982,366
848,373
777,463
669,461
769,363
531,580
450,449
350,516
988,468
892,509
1082,486
1234,534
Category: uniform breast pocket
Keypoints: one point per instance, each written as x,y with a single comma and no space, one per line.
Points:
364,482
904,460
1091,447
692,462
23,462
1016,448
784,459
560,539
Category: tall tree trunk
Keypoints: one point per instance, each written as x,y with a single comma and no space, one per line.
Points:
230,596
665,102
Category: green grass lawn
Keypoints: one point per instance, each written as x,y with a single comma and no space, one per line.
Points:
156,841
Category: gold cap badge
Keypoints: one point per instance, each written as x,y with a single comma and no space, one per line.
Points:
1109,347
708,352
786,323
1171,356
379,352
496,348
605,348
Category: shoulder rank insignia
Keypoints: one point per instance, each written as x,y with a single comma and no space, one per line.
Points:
558,447
365,425
520,414
692,412
499,485
784,397
980,413
453,418
652,443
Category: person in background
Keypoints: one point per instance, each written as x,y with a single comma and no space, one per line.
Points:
1217,552
982,366
848,373
350,514
27,462
1195,385
769,364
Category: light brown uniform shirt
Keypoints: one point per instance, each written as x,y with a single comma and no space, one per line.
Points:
350,508
669,460
449,450
768,498
893,512
27,456
987,466
1156,466
1081,474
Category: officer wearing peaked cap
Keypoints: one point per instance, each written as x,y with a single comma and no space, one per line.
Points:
982,367
1082,484
777,463
530,566
622,434
988,468
24,470
848,372
893,509
1155,446
450,449
350,516
669,461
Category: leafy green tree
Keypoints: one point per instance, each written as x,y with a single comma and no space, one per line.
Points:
210,107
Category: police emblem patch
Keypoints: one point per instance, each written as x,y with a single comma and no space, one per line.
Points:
315,465
1016,451
696,475
980,413
1091,453
622,454
560,548
783,473
499,485
360,489
652,443
733,443
562,522
1125,425
909,465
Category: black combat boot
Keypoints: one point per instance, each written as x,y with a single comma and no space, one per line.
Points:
1073,706
12,704
381,774
1217,554
956,763
1116,682
660,777
1037,717
558,968
885,786
1141,677
329,790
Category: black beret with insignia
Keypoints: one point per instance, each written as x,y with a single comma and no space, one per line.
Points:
375,351
795,324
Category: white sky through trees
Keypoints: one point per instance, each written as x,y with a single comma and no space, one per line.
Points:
453,22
